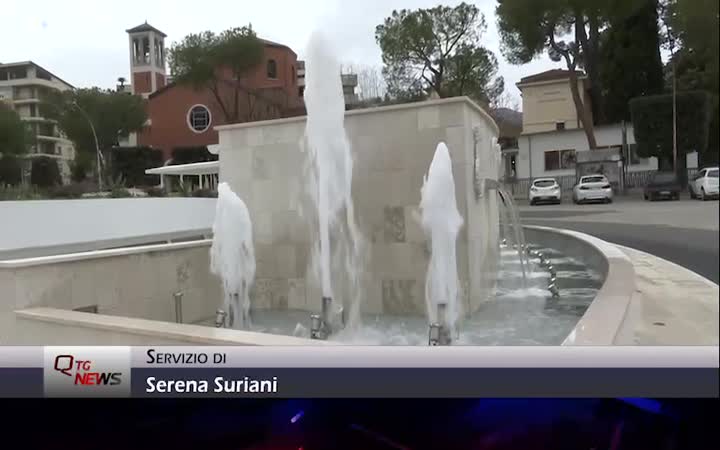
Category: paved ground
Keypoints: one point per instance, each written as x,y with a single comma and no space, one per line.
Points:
684,232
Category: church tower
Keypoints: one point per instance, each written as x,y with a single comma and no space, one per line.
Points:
147,59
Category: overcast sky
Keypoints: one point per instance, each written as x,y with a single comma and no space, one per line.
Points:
91,49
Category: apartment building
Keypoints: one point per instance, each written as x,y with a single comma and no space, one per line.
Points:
23,86
349,84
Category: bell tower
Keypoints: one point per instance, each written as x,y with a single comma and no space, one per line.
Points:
147,59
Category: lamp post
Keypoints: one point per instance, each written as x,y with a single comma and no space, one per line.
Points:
97,145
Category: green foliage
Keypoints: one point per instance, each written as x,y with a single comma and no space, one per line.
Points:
73,190
81,166
203,60
10,170
207,193
112,114
20,192
189,155
45,172
130,163
652,118
631,65
156,192
15,137
437,49
120,193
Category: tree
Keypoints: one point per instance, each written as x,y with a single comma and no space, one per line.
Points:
652,118
112,114
218,63
14,134
528,29
437,50
630,51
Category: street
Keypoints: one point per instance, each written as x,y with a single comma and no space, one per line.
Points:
684,232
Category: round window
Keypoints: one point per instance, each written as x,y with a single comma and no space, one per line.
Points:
199,118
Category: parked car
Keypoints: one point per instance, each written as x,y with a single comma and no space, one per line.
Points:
545,190
662,185
593,188
704,184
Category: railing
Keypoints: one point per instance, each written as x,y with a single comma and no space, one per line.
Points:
520,187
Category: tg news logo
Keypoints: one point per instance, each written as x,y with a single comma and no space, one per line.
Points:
87,371
82,373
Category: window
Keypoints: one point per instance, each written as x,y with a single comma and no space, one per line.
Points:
559,126
560,159
272,69
146,50
712,173
199,118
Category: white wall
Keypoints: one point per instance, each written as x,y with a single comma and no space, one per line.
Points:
132,282
538,144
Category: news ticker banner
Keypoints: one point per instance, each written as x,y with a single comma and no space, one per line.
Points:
358,371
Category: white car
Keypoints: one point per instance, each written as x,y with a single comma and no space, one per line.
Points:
704,184
545,190
593,188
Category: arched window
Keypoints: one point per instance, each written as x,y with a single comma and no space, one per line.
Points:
272,69
199,118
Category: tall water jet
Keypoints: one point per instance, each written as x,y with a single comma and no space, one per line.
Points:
232,257
441,222
330,181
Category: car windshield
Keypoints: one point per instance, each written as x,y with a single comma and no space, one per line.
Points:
544,183
595,179
712,173
664,178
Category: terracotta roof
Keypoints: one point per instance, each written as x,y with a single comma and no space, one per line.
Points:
145,27
548,75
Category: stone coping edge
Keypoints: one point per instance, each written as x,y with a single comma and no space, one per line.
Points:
98,254
357,112
192,334
606,315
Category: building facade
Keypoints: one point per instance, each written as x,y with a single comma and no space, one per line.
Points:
24,86
181,116
553,140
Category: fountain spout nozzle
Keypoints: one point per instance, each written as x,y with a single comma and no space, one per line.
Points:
220,316
440,333
320,327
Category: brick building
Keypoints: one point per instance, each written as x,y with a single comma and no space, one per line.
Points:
181,116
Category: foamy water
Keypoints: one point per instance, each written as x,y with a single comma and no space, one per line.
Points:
441,222
232,255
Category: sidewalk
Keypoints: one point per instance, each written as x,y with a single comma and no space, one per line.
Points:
672,305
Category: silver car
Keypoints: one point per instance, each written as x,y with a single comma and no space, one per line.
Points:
593,188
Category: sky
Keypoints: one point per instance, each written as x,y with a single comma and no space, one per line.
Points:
91,49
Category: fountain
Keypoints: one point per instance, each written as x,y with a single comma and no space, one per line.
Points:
344,244
330,183
232,258
441,222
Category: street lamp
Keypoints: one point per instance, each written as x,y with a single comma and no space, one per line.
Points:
97,145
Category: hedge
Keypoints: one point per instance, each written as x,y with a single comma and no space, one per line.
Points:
130,163
189,155
45,172
10,170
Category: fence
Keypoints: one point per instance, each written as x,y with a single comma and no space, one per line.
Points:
520,187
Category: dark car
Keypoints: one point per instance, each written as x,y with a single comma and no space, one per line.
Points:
663,185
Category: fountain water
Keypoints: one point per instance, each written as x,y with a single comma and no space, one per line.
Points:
441,222
232,257
329,181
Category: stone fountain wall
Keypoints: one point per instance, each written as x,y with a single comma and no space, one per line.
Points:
392,148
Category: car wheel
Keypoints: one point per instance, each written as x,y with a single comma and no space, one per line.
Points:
608,200
703,197
532,202
645,197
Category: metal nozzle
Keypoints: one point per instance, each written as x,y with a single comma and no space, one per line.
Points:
177,298
220,316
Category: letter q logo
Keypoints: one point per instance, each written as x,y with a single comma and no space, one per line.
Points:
64,364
